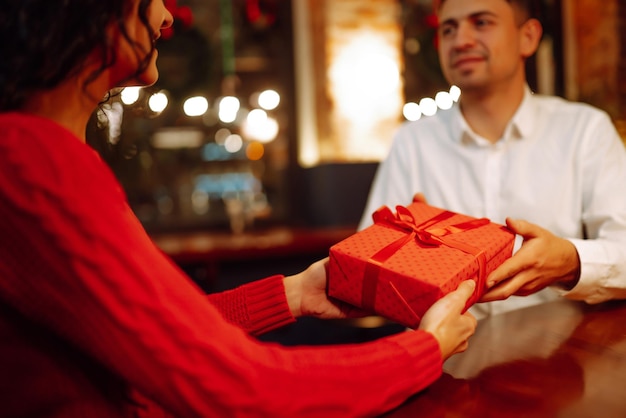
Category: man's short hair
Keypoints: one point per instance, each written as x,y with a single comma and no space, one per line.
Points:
531,9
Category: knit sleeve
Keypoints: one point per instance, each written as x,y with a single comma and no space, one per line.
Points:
76,261
257,307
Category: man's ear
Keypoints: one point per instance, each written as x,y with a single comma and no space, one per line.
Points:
530,32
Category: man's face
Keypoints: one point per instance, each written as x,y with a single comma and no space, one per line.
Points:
480,43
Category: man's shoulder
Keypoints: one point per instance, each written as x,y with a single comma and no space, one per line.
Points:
556,105
427,124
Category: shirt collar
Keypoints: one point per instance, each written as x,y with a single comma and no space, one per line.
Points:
521,125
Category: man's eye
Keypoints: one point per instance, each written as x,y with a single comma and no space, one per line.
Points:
481,22
446,31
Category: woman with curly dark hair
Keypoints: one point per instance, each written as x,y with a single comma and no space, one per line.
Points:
94,320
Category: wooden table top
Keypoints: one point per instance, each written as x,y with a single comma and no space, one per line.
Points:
560,359
270,242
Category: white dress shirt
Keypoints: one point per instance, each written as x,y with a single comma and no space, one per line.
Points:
559,164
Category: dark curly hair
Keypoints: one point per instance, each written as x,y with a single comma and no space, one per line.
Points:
44,42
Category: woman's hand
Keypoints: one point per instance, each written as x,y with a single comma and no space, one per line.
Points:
446,321
306,295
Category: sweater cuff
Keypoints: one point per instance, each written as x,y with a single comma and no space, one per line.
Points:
267,305
256,307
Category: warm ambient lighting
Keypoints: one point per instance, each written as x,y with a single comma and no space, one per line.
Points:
255,151
158,102
174,138
411,111
455,92
365,79
427,106
256,127
130,95
233,143
227,109
195,106
259,126
269,99
365,85
347,108
444,101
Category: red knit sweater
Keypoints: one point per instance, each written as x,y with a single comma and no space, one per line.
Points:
92,312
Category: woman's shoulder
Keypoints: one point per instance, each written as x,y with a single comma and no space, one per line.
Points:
37,150
23,129
32,132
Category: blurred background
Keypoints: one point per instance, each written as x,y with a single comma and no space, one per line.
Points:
280,109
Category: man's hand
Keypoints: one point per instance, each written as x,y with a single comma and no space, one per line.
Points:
419,197
543,260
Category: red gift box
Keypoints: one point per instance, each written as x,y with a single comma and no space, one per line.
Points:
406,261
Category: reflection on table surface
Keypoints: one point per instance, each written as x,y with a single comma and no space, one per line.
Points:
560,359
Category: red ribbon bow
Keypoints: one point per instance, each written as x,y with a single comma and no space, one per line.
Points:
426,233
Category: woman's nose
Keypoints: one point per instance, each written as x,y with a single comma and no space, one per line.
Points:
168,19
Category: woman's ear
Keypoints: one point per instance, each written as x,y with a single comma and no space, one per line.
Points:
530,32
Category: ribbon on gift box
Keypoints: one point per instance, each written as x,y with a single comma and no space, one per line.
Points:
425,233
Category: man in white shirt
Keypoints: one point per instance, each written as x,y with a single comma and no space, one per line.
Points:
553,170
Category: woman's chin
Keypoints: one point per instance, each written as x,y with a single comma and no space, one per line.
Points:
146,79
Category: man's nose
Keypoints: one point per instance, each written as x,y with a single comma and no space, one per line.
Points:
465,35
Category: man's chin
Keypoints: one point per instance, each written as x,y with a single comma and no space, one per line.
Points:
467,84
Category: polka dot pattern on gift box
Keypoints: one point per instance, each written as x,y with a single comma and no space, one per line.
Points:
416,274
